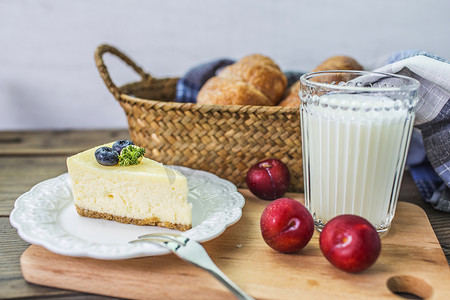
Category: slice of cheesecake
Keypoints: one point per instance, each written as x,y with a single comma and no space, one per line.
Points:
144,194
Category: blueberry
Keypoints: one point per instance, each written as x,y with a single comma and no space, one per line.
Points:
119,145
107,156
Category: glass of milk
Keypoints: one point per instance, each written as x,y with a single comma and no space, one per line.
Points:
356,128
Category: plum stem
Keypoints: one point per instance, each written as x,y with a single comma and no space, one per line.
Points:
266,165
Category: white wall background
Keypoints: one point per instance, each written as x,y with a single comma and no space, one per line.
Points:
48,79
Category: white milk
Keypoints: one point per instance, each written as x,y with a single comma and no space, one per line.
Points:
356,156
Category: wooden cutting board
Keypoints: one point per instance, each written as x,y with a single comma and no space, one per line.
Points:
411,261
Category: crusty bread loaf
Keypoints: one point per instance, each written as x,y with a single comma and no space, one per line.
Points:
292,98
259,59
228,91
254,80
339,62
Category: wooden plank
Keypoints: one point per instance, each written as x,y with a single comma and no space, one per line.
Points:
411,256
18,288
11,247
63,142
19,174
12,283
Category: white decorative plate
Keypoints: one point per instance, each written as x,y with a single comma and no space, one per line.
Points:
46,216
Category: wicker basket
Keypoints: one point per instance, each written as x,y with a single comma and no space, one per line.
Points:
224,140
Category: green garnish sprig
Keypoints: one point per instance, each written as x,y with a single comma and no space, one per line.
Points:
131,155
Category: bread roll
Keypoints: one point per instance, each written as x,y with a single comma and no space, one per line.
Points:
292,99
254,80
259,59
228,91
338,63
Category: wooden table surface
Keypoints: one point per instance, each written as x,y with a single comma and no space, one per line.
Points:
27,158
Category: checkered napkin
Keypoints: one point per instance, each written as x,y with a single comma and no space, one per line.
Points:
429,153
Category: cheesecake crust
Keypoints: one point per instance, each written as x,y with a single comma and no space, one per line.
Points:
142,222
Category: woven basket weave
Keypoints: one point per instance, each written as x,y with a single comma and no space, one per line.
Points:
223,140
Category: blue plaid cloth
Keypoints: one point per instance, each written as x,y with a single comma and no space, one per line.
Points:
429,153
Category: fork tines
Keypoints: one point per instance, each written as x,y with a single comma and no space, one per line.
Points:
163,237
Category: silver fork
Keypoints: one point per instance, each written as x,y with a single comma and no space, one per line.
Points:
191,251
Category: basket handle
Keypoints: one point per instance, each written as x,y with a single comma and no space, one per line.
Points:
99,52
